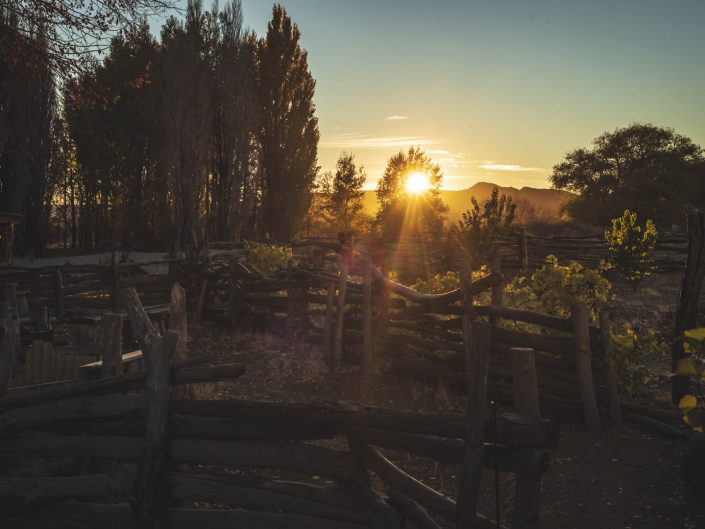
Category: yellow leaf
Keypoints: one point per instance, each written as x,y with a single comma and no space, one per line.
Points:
696,334
686,367
687,403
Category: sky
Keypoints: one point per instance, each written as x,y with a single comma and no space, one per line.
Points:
494,90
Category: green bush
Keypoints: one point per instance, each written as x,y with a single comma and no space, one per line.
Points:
267,258
631,246
631,353
693,367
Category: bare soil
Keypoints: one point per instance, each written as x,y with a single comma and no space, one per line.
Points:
626,480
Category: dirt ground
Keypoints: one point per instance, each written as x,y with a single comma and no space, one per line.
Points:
626,480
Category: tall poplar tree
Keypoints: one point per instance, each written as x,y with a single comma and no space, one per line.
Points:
289,131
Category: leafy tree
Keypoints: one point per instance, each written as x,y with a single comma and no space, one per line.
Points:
289,129
480,227
401,213
346,195
650,170
27,110
692,368
631,246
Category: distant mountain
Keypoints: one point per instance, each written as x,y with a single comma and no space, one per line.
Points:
546,202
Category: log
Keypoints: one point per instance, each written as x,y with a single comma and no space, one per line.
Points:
367,338
527,316
526,402
328,324
77,515
201,300
151,495
111,345
180,375
142,326
514,430
8,346
559,345
583,360
338,334
615,407
411,510
477,351
399,480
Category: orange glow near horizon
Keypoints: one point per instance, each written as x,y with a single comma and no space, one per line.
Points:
417,183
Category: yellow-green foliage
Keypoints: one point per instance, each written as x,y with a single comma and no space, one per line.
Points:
267,258
693,367
631,352
631,246
554,288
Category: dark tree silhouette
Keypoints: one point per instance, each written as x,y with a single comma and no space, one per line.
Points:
289,129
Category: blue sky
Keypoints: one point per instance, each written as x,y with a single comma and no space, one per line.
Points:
495,90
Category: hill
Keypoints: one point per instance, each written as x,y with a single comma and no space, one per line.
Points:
545,202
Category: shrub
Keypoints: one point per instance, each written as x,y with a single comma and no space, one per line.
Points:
693,366
631,246
631,352
267,258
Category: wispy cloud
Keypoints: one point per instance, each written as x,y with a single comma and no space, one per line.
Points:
395,118
508,167
349,140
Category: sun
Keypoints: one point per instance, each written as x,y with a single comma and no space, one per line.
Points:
417,183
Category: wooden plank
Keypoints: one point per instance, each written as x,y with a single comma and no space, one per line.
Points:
367,339
8,349
142,326
340,316
328,325
111,345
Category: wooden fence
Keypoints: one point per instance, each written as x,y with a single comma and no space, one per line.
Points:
373,320
94,420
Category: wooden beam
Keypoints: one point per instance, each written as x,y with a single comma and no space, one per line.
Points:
583,362
615,405
9,340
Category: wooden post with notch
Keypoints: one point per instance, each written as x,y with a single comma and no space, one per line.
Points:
583,363
526,403
615,406
476,342
367,338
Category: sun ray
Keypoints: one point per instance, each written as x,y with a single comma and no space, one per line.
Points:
417,183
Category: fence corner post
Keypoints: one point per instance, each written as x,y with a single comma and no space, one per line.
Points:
583,363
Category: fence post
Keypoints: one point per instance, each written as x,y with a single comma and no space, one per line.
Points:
201,300
526,402
340,317
150,498
8,347
11,295
59,282
496,268
477,354
327,346
115,273
111,345
583,362
291,306
232,291
615,405
367,338
523,249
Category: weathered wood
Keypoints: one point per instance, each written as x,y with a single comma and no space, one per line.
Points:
328,325
111,345
526,402
59,295
340,317
180,375
399,480
527,316
8,346
291,305
615,405
201,300
142,326
367,341
513,430
583,363
411,510
233,292
496,267
688,298
477,361
178,321
523,249
115,276
119,516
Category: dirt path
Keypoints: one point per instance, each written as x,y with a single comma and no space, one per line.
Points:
629,480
